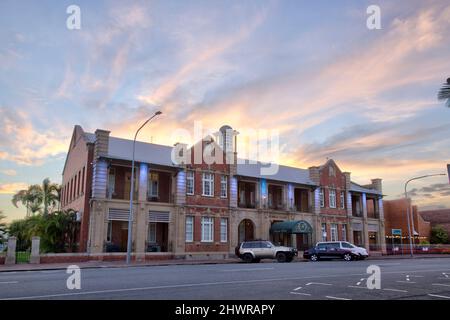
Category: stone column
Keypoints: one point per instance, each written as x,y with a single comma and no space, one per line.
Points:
97,227
11,253
365,224
35,252
140,228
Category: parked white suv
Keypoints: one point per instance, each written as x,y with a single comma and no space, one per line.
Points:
254,251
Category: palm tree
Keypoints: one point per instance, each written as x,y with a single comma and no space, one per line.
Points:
36,196
50,194
30,198
444,93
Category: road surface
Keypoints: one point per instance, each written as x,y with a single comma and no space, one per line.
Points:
332,280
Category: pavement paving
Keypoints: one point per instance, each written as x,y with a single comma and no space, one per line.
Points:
401,279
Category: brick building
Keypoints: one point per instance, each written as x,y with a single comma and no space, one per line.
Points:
396,219
204,208
438,217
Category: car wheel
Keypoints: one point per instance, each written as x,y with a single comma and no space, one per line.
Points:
347,257
248,258
314,257
257,260
289,259
281,257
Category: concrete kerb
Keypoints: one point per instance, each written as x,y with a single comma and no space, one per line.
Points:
94,265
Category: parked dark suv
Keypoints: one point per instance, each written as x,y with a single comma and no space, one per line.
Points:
331,250
254,251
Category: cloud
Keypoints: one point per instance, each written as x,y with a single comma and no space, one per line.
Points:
9,172
22,143
12,188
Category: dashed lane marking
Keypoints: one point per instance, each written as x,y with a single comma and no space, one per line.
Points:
297,288
336,298
400,281
438,296
319,284
300,293
9,282
440,284
395,290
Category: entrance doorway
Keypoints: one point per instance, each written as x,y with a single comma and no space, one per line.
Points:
246,230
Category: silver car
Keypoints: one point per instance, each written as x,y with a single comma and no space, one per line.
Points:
254,251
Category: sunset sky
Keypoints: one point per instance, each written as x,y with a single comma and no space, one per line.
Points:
310,69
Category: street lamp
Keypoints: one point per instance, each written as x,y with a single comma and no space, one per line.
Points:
130,217
407,207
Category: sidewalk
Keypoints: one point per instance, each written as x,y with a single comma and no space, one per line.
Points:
172,262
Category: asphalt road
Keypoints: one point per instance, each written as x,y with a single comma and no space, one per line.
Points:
336,280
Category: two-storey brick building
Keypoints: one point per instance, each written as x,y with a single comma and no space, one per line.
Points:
197,207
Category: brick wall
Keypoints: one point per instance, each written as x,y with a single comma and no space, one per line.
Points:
395,218
336,182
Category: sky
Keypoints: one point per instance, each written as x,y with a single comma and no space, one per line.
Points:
310,70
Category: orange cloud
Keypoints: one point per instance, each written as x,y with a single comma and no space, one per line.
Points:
12,188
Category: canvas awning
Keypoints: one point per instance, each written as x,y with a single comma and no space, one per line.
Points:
293,226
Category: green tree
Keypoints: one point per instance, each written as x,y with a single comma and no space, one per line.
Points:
444,93
57,230
50,194
439,235
3,229
39,198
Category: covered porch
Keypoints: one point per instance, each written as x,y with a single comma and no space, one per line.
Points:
293,233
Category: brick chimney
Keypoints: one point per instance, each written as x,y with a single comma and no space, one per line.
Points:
377,185
314,174
101,143
348,182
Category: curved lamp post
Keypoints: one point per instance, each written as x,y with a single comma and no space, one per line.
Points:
130,217
411,223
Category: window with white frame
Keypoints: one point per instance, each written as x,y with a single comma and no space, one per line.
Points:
189,228
190,182
153,182
333,232
332,196
223,186
344,232
207,229
322,198
152,232
208,184
324,232
223,230
342,200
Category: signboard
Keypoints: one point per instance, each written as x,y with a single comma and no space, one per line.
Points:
396,232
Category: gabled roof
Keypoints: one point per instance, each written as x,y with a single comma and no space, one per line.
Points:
285,173
358,188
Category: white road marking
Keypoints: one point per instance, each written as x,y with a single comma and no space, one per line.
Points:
357,287
438,296
9,282
337,298
440,284
300,293
400,281
319,284
396,290
445,275
253,269
358,283
297,288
